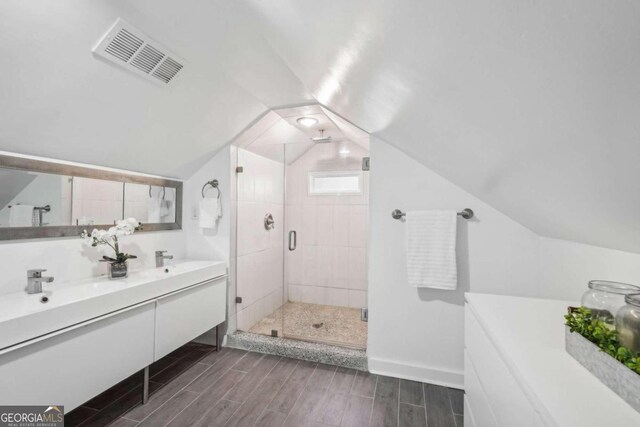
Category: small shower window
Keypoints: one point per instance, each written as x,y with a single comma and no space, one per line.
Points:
332,183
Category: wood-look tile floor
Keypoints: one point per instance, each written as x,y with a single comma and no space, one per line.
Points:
196,386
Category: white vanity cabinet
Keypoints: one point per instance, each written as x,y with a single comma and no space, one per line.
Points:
517,372
69,367
92,335
188,313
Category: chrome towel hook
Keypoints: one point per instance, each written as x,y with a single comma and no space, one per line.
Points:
164,191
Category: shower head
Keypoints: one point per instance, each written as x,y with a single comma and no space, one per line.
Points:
321,139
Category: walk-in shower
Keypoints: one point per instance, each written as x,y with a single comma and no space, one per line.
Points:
302,226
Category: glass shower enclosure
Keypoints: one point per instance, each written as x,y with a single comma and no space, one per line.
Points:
301,241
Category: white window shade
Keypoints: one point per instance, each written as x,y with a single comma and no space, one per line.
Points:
332,183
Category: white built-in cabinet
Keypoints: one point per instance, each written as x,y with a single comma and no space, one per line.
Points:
518,373
492,395
185,314
72,365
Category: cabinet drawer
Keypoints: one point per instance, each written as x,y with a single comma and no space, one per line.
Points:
188,313
72,366
477,409
505,396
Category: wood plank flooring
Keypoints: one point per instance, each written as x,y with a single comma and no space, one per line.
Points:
196,386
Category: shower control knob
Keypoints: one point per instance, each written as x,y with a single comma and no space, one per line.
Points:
269,223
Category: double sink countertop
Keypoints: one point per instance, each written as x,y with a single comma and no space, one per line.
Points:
24,317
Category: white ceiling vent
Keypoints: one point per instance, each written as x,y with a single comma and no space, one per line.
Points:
131,48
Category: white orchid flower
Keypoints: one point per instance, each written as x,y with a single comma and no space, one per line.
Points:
109,237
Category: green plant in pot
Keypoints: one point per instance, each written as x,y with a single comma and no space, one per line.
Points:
118,264
582,321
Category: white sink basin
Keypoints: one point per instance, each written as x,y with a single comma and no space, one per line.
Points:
24,317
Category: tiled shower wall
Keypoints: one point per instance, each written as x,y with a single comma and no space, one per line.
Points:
96,201
329,264
260,272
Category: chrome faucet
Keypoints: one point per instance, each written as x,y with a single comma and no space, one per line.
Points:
160,257
35,280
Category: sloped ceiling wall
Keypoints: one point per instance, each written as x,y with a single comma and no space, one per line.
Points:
531,106
58,100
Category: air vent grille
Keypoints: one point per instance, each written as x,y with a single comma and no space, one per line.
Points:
147,59
124,45
131,48
167,70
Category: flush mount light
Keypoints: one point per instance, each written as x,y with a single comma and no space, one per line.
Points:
307,121
344,152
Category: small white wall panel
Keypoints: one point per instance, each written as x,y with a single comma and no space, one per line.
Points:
73,366
187,314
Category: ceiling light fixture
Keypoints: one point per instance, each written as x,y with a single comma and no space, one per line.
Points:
307,121
344,152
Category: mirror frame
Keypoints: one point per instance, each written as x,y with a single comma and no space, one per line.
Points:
50,167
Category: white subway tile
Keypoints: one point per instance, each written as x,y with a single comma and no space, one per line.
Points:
357,226
357,299
324,226
357,264
340,226
324,260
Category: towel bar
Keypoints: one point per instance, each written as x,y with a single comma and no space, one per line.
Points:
466,214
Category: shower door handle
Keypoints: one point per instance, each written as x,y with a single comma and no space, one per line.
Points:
293,240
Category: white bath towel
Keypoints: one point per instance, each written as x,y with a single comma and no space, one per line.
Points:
210,211
431,249
154,210
21,216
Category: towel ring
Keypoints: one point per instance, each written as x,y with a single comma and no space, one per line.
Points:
214,184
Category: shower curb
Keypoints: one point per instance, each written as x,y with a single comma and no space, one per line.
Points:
303,350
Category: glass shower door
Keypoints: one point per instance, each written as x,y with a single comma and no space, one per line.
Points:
326,218
259,243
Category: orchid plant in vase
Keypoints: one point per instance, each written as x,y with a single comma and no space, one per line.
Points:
118,265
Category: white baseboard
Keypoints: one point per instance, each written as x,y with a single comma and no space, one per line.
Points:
425,374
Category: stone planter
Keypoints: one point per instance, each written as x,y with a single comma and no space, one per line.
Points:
622,380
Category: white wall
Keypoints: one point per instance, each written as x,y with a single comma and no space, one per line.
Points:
566,267
418,333
209,244
329,263
212,244
260,258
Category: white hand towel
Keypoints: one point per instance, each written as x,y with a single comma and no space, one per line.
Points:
218,208
431,249
165,208
208,213
21,216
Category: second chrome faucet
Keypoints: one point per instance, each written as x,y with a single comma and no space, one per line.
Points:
160,257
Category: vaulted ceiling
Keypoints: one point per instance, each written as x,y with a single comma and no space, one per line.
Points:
531,106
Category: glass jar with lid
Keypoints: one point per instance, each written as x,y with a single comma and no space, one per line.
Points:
605,298
628,323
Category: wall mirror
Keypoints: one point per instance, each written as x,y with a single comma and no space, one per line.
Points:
41,199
